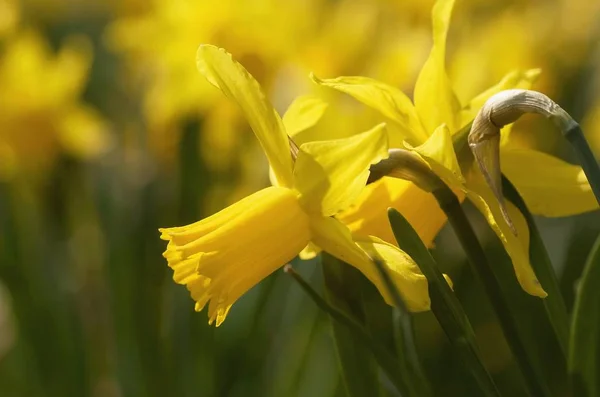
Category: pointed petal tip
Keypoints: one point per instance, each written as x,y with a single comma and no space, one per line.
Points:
203,63
164,234
312,76
508,219
533,74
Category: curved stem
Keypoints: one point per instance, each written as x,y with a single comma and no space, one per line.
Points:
479,263
574,134
384,358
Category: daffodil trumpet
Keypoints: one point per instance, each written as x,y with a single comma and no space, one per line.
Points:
407,165
505,108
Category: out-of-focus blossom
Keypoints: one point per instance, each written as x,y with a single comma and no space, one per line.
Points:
221,257
40,109
9,17
279,42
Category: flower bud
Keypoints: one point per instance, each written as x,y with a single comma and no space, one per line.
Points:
500,110
404,164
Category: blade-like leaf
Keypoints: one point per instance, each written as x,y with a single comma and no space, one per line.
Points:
542,266
357,364
444,303
584,348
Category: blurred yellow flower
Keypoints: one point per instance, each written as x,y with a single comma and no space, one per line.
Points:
221,257
428,128
40,109
9,16
320,35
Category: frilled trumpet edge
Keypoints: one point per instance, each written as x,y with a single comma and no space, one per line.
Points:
221,257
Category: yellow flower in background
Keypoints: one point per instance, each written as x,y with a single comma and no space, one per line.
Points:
40,109
319,35
9,17
382,39
221,257
548,185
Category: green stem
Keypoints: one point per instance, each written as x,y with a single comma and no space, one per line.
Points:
584,357
554,303
410,365
386,361
444,304
389,284
450,204
574,134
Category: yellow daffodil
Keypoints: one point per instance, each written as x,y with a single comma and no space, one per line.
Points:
549,186
9,16
40,109
221,257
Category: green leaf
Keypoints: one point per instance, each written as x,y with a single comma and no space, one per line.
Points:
403,333
444,303
357,364
542,266
361,303
584,349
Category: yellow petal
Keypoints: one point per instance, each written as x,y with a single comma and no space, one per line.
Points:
514,79
303,113
434,97
517,246
237,84
368,215
549,186
309,252
388,100
438,152
335,238
405,273
331,174
223,256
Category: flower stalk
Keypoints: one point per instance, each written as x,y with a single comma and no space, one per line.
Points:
444,304
387,362
477,259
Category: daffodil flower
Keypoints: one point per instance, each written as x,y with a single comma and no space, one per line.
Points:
40,102
221,257
550,186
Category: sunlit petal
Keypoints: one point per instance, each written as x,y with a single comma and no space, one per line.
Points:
237,84
368,215
434,97
549,186
336,239
303,113
388,100
517,246
407,276
514,79
331,174
438,152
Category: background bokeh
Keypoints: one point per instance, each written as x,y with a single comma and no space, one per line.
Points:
108,132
